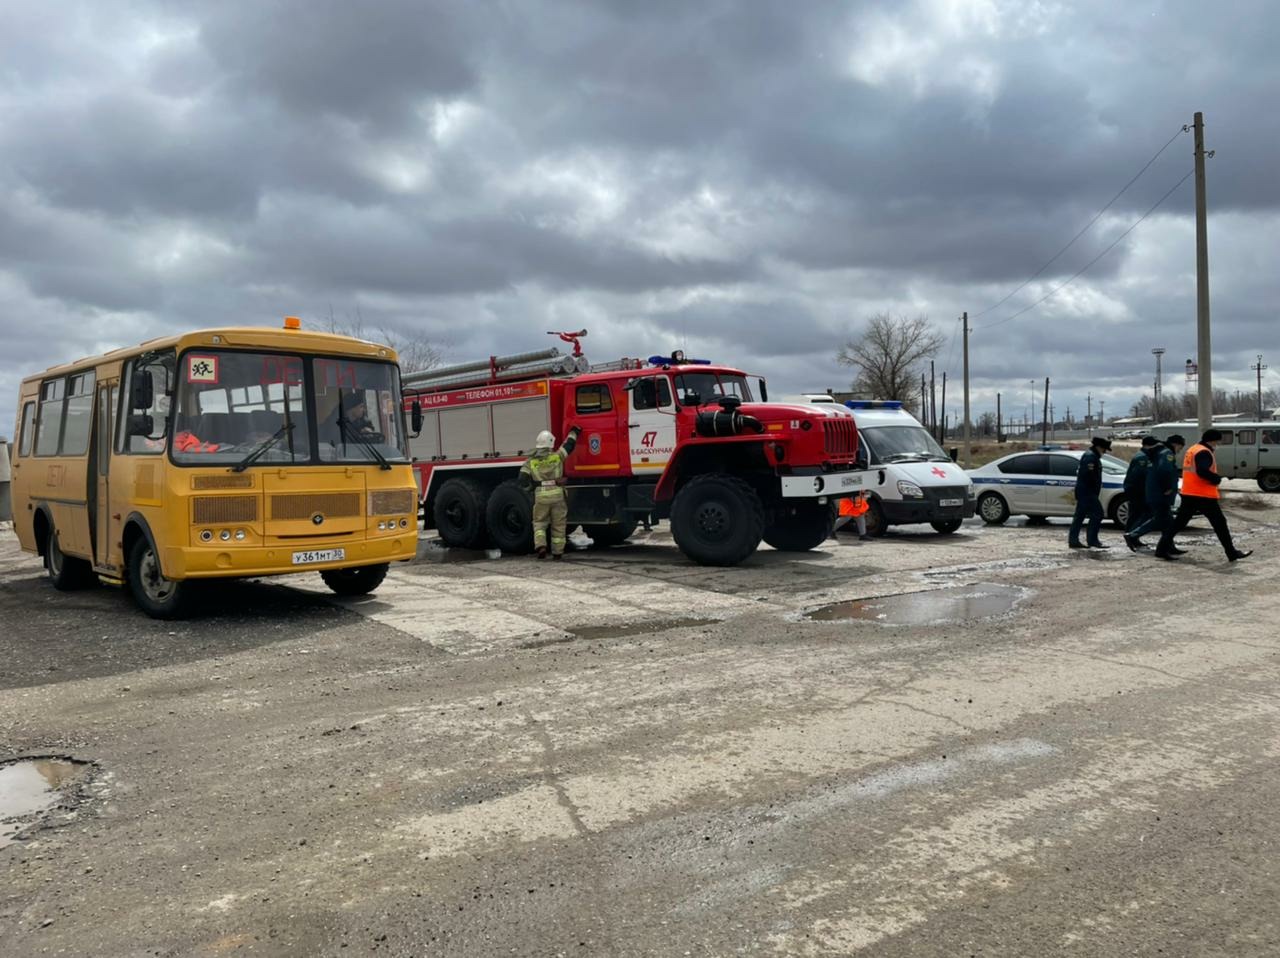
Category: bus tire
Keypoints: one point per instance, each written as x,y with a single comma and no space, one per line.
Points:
612,535
67,573
459,513
812,525
157,596
509,518
717,519
358,581
1269,481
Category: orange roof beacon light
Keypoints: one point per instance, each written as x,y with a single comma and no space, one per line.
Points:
292,322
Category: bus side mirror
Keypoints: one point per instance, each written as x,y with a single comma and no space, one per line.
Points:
415,418
140,425
143,391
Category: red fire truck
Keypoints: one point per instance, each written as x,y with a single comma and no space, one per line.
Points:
689,441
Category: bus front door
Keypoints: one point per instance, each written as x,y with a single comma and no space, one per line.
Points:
99,487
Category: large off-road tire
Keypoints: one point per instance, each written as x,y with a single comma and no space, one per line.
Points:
159,597
810,526
877,522
358,581
992,509
1269,481
459,513
67,573
717,519
508,517
612,535
946,526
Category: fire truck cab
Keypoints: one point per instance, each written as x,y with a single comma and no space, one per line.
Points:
690,442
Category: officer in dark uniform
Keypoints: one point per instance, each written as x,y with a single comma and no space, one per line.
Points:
1162,487
1089,496
1135,483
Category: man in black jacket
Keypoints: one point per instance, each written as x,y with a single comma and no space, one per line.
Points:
1089,496
1135,483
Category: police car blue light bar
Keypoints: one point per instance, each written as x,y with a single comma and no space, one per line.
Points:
873,403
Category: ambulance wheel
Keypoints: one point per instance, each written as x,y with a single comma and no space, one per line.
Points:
509,519
358,581
992,508
946,526
811,526
877,524
65,572
159,597
1269,481
612,535
459,513
717,519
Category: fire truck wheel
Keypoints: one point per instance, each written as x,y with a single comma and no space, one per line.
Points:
717,519
807,529
509,519
459,513
65,572
358,581
614,535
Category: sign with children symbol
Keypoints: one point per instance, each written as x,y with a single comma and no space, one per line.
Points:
202,369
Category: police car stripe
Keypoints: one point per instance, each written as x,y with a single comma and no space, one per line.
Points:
1001,481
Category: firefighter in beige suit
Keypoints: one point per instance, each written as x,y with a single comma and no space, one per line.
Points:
544,474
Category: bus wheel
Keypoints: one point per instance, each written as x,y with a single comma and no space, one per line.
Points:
509,518
459,513
67,573
811,526
717,519
1269,481
159,597
358,581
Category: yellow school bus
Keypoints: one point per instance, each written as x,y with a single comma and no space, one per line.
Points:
220,453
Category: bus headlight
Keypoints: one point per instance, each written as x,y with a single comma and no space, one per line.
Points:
225,535
382,527
404,523
239,535
206,535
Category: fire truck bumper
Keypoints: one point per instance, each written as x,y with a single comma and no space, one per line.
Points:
832,484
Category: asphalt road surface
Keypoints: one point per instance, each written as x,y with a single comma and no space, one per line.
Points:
623,754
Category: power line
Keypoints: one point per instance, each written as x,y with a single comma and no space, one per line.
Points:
1086,266
1095,219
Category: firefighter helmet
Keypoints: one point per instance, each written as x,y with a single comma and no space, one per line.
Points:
545,440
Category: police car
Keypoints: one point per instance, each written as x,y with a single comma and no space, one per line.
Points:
1042,483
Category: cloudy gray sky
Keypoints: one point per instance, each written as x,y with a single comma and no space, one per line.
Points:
749,179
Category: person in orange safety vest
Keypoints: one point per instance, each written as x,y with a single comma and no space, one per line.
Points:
1200,494
856,508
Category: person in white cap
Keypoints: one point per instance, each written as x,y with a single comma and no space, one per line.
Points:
544,474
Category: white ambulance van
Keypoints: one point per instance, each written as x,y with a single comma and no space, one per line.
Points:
914,481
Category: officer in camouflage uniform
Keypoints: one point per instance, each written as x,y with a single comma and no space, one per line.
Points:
544,474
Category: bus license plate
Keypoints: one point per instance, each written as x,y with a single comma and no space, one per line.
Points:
319,555
951,502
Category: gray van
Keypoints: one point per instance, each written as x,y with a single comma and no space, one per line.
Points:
1249,450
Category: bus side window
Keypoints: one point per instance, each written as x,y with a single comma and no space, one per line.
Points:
28,429
49,427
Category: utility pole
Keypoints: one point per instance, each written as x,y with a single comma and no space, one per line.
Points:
1044,426
1088,419
1102,412
924,402
933,400
1203,345
965,319
999,421
1258,369
944,407
1158,352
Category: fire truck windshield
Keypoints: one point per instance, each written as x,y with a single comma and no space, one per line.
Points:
694,389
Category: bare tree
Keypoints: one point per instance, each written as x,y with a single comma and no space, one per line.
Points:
888,356
416,352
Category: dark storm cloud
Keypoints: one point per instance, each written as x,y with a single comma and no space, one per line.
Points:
755,180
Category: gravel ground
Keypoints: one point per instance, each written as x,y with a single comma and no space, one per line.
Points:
625,754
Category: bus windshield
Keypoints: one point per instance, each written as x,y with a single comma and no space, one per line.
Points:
233,405
694,389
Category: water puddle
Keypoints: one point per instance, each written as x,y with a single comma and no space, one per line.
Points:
957,603
31,786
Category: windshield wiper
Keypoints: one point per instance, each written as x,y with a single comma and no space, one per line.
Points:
905,457
350,432
261,448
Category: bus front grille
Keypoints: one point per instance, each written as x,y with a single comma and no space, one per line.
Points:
207,510
331,505
221,482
